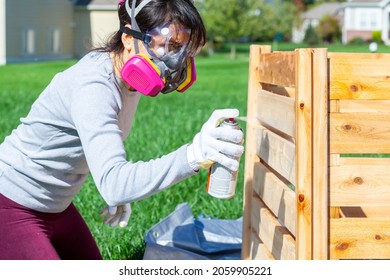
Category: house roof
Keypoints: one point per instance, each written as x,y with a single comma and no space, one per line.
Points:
322,10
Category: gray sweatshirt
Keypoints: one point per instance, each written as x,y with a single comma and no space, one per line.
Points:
77,126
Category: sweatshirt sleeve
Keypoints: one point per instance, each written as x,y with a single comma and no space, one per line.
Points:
95,115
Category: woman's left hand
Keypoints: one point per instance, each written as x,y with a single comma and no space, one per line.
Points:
116,215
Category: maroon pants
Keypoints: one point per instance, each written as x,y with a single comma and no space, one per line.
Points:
26,234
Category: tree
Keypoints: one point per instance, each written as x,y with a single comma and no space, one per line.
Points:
274,20
311,36
226,19
259,20
329,29
261,24
286,14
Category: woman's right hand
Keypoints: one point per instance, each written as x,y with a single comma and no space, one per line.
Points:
208,146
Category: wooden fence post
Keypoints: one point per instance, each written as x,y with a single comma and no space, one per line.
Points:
250,146
320,158
304,147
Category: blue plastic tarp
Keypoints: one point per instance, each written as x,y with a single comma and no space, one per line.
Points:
181,236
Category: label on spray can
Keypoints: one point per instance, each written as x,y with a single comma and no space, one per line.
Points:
222,181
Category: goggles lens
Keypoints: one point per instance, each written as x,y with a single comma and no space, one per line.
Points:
167,42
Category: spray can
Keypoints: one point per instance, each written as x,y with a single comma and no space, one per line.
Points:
222,181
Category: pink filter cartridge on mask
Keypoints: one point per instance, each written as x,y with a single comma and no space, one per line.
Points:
140,75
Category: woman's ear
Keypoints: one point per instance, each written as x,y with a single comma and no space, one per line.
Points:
127,40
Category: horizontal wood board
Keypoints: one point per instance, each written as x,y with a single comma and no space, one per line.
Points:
359,238
277,152
278,196
277,69
359,133
276,111
359,76
275,237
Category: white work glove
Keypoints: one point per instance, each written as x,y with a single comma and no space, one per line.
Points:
216,144
115,215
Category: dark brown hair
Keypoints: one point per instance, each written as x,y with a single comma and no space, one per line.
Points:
154,14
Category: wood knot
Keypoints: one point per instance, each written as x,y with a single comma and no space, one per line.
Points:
342,246
347,127
350,128
358,180
301,105
378,237
354,88
301,198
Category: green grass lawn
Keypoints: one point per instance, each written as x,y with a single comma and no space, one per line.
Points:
161,125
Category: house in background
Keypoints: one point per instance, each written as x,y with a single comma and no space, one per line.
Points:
361,18
37,30
312,18
33,30
95,21
358,19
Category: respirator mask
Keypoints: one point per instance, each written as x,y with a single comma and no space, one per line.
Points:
169,68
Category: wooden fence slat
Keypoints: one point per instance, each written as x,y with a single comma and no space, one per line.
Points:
360,185
274,236
277,111
258,251
350,87
359,238
277,69
277,152
359,56
303,67
278,197
359,76
320,154
359,64
250,147
348,132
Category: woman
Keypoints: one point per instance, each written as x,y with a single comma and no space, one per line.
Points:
79,122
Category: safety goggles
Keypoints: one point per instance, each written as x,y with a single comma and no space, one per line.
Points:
167,41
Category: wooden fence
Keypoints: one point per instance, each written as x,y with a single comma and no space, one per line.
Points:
317,179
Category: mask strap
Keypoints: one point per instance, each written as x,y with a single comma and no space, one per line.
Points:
141,6
133,12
